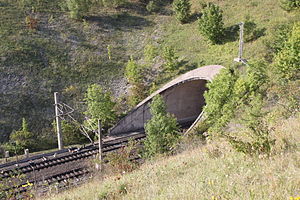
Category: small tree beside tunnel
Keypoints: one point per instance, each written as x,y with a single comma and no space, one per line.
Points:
161,129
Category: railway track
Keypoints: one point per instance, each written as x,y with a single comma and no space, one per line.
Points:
73,155
64,167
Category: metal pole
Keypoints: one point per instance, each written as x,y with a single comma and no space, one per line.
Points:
58,122
100,143
241,40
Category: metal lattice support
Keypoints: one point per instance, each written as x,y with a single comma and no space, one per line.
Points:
63,112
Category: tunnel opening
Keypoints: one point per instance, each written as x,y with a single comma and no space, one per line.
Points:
184,100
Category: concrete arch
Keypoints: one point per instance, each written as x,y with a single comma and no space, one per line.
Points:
183,96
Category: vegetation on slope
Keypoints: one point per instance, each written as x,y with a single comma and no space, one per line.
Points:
214,171
43,50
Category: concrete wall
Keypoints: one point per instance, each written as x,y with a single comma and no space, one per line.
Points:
183,96
184,100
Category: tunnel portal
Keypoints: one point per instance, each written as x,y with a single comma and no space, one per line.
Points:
183,96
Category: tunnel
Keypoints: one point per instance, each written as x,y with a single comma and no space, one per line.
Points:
183,97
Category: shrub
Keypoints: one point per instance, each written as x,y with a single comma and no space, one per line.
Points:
99,106
150,52
23,139
120,161
290,5
71,133
152,6
211,23
229,90
161,129
251,31
170,58
78,8
219,108
256,137
287,61
280,35
133,71
182,9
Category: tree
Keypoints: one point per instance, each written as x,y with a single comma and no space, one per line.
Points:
133,73
23,139
170,58
287,61
161,129
99,106
71,133
211,23
182,9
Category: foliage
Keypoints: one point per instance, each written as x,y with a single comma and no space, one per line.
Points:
171,60
290,5
256,134
287,61
113,3
230,90
251,31
99,106
219,108
71,133
133,71
23,139
211,23
78,8
120,161
134,75
182,9
137,93
152,6
150,52
161,129
280,35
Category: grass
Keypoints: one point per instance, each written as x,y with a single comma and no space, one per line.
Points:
211,172
189,43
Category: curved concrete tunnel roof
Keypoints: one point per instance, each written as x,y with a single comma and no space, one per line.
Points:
183,96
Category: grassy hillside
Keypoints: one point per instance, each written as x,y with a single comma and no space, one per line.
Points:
60,54
214,172
66,55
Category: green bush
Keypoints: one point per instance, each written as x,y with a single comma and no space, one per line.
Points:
256,134
182,9
280,35
78,8
152,6
171,60
134,75
290,5
133,71
287,61
211,23
251,31
161,129
219,106
71,133
150,52
99,106
229,90
23,139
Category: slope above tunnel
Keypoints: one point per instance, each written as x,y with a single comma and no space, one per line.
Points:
183,96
